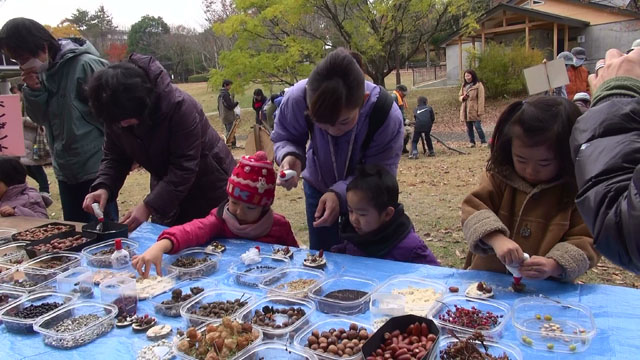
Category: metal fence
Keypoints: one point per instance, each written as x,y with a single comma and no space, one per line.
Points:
427,74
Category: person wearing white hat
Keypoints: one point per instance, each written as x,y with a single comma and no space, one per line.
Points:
578,74
583,101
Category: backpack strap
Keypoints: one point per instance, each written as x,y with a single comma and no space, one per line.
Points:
378,116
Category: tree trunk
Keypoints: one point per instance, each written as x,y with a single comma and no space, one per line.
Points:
398,78
378,78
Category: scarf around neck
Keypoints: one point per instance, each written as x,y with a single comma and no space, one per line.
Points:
247,231
380,241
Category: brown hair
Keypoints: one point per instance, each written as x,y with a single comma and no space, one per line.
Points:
336,84
543,120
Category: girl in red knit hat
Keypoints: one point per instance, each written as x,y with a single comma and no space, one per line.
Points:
246,215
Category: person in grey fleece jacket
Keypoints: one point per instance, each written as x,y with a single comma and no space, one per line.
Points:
332,109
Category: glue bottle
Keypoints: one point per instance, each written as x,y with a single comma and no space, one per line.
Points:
120,258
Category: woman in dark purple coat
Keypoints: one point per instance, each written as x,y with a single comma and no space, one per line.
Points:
152,123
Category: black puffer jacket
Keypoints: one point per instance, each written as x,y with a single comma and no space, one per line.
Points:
188,161
605,144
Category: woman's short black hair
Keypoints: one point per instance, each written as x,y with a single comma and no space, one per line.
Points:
119,92
12,172
22,37
378,184
543,120
226,82
474,76
336,84
258,92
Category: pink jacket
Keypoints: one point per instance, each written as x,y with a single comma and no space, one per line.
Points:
25,200
199,232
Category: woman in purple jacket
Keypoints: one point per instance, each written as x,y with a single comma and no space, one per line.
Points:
333,109
378,226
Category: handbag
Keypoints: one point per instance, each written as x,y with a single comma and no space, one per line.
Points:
40,148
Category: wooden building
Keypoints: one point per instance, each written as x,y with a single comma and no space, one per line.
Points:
549,25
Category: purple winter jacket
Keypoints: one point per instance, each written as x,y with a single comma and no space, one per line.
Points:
25,200
412,249
291,132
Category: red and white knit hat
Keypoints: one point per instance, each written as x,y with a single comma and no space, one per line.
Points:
253,180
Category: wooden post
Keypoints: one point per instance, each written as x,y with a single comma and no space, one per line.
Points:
504,18
555,40
526,33
483,37
460,57
566,37
473,43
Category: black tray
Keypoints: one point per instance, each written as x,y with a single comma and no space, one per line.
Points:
92,239
110,230
16,236
401,323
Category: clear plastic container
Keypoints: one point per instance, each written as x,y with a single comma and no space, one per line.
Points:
173,309
275,350
202,270
292,282
344,295
76,281
154,285
201,329
28,279
59,262
252,275
95,258
332,323
401,295
25,326
500,309
494,348
551,325
278,302
13,253
9,297
189,309
68,340
5,234
120,292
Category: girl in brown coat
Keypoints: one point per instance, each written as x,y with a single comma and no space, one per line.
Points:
525,201
472,98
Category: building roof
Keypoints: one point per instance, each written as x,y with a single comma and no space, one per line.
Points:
532,13
617,6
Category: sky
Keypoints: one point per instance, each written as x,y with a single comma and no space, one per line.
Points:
124,12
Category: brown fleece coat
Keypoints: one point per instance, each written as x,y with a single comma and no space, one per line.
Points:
472,109
543,220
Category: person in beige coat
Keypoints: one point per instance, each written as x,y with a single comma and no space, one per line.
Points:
525,201
472,99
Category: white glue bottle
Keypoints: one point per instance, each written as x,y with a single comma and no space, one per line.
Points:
120,258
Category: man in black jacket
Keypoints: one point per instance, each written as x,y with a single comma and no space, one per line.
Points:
424,118
605,144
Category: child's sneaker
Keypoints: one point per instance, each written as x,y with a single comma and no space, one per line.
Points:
413,156
431,154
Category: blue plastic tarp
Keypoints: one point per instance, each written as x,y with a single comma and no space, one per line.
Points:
616,309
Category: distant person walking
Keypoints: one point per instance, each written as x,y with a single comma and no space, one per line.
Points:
226,105
259,106
472,99
424,118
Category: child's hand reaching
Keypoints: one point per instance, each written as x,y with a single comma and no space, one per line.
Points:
7,211
153,255
540,267
507,250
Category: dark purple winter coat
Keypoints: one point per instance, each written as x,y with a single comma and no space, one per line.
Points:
188,161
